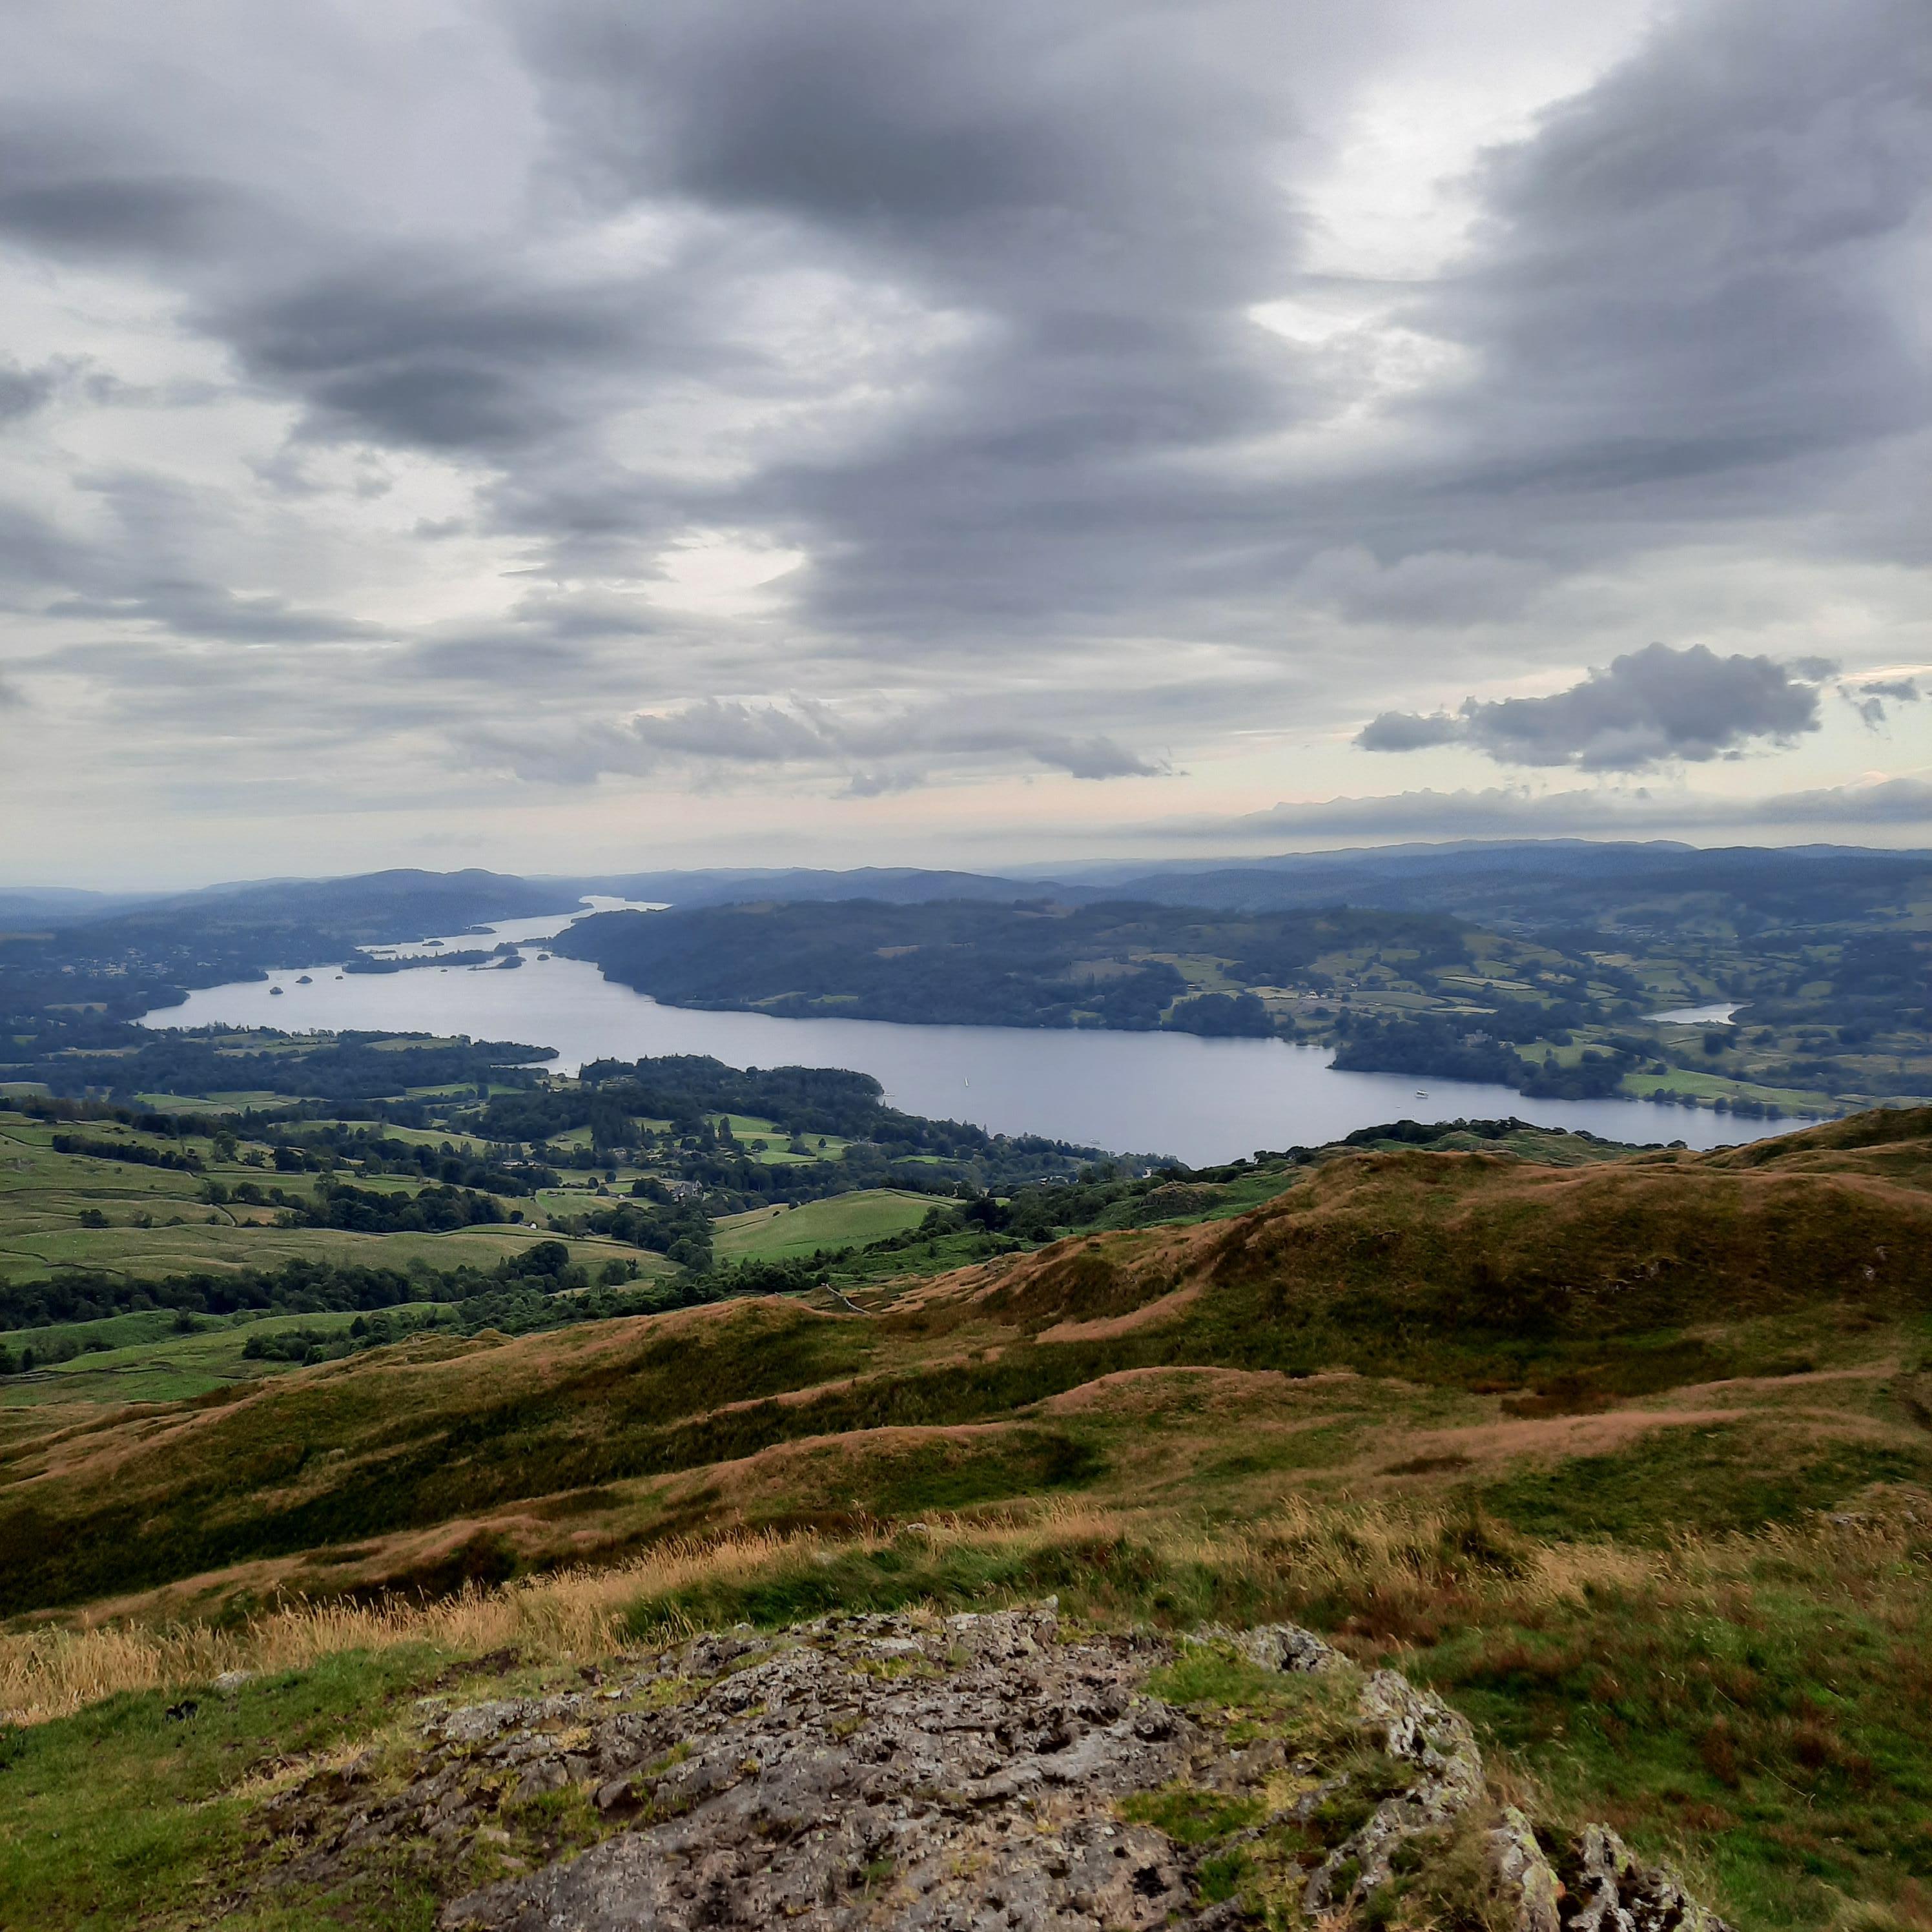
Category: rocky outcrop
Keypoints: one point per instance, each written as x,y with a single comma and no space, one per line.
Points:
1523,1874
1435,1745
959,1775
1610,1890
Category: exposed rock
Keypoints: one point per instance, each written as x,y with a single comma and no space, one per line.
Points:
1416,1729
959,1775
912,1774
1610,1891
1286,1647
1523,1875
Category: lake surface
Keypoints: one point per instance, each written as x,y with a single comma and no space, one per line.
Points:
1716,1016
1203,1100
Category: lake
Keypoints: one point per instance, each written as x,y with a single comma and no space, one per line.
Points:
1203,1100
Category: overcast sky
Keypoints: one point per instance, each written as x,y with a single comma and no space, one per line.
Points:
593,433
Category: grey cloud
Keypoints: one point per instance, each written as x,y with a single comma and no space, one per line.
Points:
1097,757
880,784
1891,801
957,302
1409,731
1429,587
145,569
1509,811
881,751
110,215
24,391
1649,708
1088,192
1869,697
211,611
436,356
1683,283
510,658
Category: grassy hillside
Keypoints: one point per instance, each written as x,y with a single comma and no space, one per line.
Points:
845,1220
1474,1286
1632,1459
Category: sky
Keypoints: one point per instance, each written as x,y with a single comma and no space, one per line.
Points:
589,435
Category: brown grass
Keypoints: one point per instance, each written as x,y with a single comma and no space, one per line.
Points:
50,1673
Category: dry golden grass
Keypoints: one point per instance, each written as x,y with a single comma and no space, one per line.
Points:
47,1673
1401,1561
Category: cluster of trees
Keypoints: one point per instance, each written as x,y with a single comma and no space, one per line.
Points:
367,962
330,1142
1429,1044
1434,1045
433,1210
346,1066
184,1160
679,1230
807,1105
300,1287
972,962
1222,1015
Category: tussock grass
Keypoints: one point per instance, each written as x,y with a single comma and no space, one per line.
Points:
1387,1573
52,1672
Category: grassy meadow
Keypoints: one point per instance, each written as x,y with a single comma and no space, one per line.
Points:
840,1221
154,1221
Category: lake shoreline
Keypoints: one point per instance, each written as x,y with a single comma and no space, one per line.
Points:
1202,1100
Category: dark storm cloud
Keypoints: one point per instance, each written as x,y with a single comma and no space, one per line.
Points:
1091,194
1679,274
89,214
1650,707
1681,277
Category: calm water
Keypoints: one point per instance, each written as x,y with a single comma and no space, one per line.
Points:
1205,1100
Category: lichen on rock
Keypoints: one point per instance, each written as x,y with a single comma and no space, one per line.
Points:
917,1773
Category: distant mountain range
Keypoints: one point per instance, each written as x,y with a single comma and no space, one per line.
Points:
1543,885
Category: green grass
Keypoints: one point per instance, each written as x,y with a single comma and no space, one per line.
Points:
154,1252
770,1145
43,1195
1714,1481
235,1103
161,1364
1774,1729
1709,1086
840,1221
120,1816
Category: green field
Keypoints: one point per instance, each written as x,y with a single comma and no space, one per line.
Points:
43,1195
158,1363
1708,1087
844,1221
